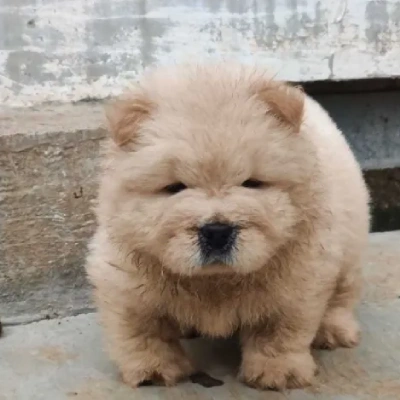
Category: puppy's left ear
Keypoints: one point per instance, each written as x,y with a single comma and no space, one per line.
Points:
125,117
284,101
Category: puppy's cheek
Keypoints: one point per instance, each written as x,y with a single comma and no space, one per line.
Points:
252,251
282,217
136,222
181,254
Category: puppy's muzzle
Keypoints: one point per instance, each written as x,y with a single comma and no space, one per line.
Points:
216,241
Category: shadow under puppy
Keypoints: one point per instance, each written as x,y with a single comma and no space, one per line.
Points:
228,202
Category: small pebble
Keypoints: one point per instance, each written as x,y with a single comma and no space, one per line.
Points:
146,383
200,378
205,380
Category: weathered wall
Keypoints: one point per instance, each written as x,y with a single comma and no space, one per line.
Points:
68,50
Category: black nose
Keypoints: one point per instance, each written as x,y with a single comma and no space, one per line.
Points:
217,236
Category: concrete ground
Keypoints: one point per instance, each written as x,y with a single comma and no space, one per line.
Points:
63,358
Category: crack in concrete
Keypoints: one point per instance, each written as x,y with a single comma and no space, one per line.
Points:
30,319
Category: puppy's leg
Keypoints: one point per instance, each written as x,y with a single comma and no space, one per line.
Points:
339,327
277,356
145,348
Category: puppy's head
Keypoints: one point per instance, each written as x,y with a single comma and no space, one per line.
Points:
207,169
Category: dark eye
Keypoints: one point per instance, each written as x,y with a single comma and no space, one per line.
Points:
175,188
252,184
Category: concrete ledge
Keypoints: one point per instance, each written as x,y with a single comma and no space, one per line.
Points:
63,358
48,180
21,129
48,172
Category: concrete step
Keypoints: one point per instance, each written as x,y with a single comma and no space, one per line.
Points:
63,359
48,166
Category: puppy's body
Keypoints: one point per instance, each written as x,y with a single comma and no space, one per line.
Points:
291,275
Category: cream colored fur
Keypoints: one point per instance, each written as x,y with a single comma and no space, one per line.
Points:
295,276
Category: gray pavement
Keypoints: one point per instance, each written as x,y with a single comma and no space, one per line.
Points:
64,359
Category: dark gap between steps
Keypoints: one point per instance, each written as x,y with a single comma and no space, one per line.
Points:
350,86
384,186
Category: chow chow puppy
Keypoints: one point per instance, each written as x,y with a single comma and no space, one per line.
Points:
229,202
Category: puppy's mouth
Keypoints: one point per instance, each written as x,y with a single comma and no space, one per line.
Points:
217,244
217,259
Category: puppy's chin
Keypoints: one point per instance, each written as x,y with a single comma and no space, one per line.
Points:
213,269
251,252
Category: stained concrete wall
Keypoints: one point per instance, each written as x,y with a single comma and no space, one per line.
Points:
68,50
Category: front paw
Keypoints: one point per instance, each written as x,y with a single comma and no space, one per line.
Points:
156,369
339,328
284,371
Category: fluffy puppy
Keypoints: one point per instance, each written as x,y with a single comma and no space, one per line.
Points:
229,202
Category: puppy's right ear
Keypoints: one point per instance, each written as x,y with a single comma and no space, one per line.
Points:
125,116
284,101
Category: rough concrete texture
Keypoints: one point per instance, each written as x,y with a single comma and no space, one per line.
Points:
48,165
69,50
63,359
48,179
371,123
